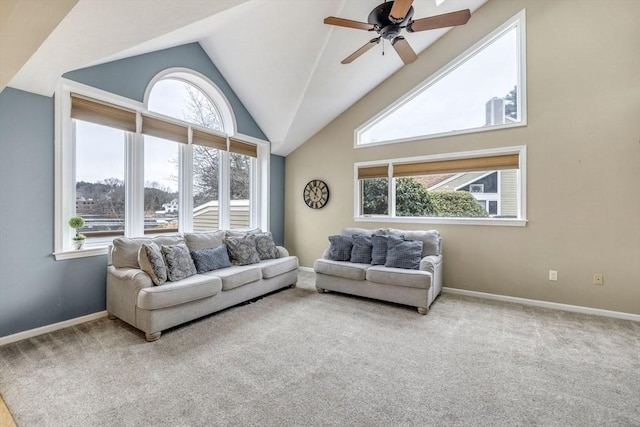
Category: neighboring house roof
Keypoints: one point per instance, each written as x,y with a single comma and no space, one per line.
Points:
432,180
456,181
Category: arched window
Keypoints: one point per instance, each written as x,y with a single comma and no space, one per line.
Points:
174,162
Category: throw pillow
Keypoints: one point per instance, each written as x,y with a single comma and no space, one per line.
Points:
209,259
152,263
403,253
179,262
378,249
242,250
265,246
361,250
340,248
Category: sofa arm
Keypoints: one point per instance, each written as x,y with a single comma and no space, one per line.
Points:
282,252
325,254
433,265
123,286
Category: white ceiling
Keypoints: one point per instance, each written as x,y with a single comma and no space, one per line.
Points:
277,55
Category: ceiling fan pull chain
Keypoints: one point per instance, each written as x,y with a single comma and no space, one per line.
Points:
382,47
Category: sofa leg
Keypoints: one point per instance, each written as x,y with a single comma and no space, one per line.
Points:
292,286
423,310
111,316
320,290
155,336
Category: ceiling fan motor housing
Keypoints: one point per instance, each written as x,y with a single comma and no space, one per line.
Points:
388,29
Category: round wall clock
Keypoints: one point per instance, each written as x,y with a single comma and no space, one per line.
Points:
316,194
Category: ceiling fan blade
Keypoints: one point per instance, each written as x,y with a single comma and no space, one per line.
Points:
360,51
440,21
341,22
399,10
404,50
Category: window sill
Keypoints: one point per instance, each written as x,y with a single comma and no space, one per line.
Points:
80,253
504,222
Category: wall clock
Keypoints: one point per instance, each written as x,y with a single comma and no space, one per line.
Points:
316,194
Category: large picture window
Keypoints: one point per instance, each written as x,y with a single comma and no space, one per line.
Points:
482,89
478,187
172,163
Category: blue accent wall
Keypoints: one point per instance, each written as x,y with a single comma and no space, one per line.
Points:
276,214
130,77
36,290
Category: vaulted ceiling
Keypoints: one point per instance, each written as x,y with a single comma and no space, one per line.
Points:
277,55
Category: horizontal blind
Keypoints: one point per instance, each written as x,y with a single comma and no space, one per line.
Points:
508,161
373,172
207,139
161,128
102,113
242,147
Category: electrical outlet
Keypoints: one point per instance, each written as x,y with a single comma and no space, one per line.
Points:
553,275
598,279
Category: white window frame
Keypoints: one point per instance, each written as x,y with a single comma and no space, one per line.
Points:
516,21
64,177
520,221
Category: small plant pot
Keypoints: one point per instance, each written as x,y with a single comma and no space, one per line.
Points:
78,244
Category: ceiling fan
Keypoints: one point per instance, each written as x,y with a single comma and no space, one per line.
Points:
389,18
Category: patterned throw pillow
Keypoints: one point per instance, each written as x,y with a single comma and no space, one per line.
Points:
242,250
209,259
403,253
340,248
179,262
361,251
379,249
265,246
152,263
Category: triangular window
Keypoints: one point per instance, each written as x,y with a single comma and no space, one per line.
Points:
482,89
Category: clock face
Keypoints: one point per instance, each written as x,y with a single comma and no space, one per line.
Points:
316,194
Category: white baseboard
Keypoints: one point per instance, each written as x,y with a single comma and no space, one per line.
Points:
50,328
546,304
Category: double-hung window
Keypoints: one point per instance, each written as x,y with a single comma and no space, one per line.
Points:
171,164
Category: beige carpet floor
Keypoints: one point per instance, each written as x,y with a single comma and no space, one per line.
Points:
298,358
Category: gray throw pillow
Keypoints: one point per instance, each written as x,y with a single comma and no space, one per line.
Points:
378,249
265,246
361,250
209,259
151,262
178,261
403,253
242,250
340,248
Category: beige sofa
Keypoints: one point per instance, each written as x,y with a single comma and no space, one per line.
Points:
133,298
413,287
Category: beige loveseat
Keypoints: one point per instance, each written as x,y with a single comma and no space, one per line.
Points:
416,287
133,297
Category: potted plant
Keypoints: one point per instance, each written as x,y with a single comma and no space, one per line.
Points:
77,222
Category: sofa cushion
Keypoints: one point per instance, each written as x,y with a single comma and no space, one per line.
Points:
403,253
178,261
242,250
275,267
430,239
265,246
378,249
151,262
399,277
125,249
346,270
203,240
361,250
340,248
241,232
209,259
174,293
236,276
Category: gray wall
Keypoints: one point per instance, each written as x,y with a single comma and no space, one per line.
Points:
36,290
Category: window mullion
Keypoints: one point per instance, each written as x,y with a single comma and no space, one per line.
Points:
185,185
392,193
224,193
134,184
